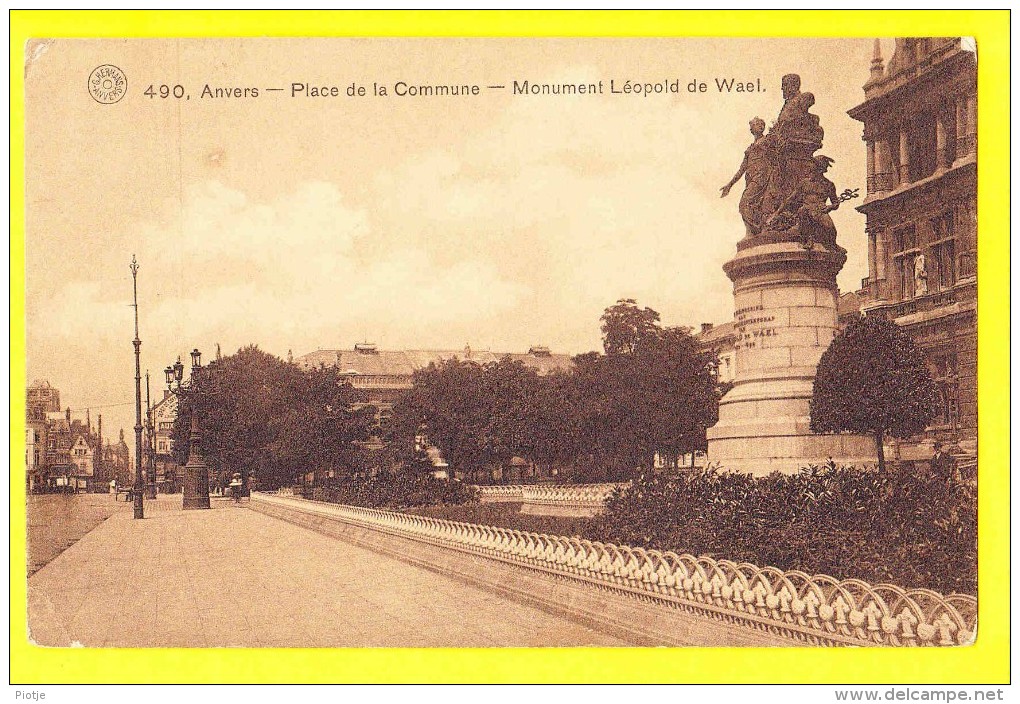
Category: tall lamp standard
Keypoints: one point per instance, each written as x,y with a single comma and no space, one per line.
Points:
196,474
139,481
150,448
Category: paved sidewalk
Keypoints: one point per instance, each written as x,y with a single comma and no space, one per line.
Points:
233,577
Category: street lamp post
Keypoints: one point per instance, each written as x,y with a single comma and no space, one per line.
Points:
196,473
150,454
139,485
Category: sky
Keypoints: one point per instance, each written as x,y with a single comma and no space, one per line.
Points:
298,223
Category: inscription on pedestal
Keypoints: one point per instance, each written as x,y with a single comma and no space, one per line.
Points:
753,323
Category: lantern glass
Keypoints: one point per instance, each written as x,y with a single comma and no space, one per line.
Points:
178,370
169,371
196,358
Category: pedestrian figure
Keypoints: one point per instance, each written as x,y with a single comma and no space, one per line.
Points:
943,466
235,486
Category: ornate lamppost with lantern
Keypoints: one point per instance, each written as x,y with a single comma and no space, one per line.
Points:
150,446
196,473
139,507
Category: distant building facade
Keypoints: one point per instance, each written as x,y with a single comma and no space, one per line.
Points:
721,340
71,448
920,127
40,399
62,453
169,476
36,433
117,460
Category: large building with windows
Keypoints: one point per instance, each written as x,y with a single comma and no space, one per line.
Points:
919,116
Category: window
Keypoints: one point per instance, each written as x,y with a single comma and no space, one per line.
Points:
942,267
905,238
943,276
905,252
944,372
922,147
905,274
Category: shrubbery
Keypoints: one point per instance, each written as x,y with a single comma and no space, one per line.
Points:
901,528
397,491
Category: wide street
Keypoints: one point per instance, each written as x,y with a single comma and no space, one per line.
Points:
230,576
57,521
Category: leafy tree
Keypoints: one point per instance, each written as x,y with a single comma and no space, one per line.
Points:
555,415
259,414
873,381
445,400
653,391
510,392
625,327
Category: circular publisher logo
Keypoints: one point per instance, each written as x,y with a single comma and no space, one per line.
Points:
107,84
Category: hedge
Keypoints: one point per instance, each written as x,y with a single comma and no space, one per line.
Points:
899,527
396,491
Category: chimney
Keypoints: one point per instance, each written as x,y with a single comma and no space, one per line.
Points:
706,327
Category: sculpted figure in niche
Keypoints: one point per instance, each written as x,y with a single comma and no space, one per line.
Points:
755,168
920,276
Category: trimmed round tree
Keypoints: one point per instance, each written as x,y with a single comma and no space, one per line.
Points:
873,381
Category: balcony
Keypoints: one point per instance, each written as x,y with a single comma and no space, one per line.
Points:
931,301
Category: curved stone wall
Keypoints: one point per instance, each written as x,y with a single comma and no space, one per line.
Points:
763,603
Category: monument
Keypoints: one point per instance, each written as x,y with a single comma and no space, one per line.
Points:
784,292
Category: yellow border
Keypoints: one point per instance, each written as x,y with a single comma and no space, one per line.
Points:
985,662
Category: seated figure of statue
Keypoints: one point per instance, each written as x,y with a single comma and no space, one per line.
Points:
805,213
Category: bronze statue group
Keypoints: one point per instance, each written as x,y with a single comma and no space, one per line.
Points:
786,193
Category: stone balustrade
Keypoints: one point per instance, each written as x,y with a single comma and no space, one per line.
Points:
552,499
765,604
500,493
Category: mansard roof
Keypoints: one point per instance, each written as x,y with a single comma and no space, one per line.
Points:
373,362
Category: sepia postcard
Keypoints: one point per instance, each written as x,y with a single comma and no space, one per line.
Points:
501,342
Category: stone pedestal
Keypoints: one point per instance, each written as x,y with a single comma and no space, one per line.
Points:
785,317
196,487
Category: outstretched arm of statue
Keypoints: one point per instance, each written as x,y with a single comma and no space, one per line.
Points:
832,197
725,190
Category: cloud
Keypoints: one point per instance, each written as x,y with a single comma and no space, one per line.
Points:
226,266
586,200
